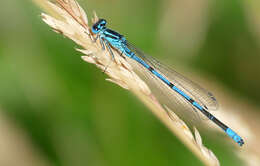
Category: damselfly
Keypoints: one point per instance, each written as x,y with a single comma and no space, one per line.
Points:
187,96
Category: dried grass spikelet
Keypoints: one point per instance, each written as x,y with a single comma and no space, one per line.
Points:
71,21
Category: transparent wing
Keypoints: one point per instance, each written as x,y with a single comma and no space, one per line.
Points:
169,97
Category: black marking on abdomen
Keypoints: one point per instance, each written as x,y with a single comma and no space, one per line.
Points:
151,69
170,85
202,109
191,100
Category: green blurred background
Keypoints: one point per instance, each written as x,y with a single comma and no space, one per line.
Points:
57,110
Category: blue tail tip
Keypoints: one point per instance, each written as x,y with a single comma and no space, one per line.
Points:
234,136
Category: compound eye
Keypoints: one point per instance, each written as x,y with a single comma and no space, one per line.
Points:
95,29
102,22
99,25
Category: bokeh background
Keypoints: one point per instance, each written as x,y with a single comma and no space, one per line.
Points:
57,110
